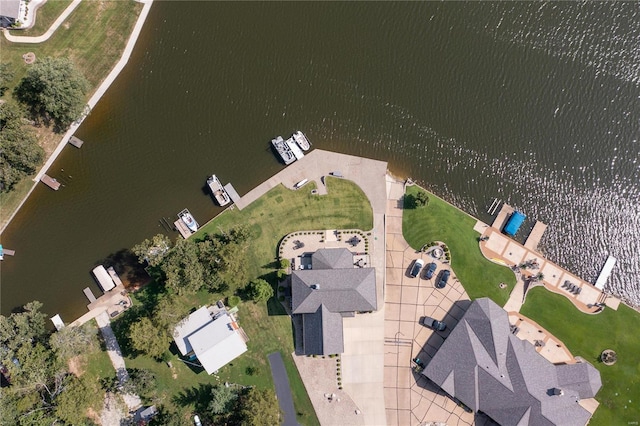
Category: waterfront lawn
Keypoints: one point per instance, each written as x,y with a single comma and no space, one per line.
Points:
587,336
45,16
440,221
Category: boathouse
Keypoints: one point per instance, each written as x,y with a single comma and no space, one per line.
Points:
514,223
104,279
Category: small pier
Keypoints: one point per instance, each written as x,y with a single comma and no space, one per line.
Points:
76,142
87,292
182,228
57,321
50,182
233,194
114,276
606,271
535,236
502,217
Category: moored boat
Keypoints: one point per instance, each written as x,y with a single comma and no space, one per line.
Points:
301,140
283,150
297,152
188,220
218,191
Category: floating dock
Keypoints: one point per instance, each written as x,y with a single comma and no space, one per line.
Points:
50,182
75,142
535,236
182,228
114,276
233,194
87,292
57,321
293,146
606,271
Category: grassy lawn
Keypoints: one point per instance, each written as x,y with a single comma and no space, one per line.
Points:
93,36
587,336
271,217
440,221
45,16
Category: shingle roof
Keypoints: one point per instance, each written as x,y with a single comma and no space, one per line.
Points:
323,295
489,369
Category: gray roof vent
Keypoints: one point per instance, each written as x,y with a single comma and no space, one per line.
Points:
315,286
557,391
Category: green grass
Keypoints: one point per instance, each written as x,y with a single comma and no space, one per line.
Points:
587,336
45,16
271,217
440,221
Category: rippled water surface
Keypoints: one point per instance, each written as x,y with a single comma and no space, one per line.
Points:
533,103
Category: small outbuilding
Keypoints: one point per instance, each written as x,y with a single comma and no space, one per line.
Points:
514,223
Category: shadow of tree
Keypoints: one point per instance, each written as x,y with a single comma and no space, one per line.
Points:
198,397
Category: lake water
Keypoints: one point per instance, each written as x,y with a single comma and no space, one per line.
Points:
533,103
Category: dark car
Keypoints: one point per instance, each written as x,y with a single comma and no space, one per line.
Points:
429,270
416,267
433,323
442,282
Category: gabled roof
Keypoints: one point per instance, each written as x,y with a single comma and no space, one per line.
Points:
332,259
10,8
214,342
340,290
489,369
322,332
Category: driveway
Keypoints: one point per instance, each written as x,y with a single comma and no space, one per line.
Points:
410,398
283,390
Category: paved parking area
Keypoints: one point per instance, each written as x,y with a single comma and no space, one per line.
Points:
410,398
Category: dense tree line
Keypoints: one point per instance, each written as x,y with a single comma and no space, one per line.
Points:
20,153
41,390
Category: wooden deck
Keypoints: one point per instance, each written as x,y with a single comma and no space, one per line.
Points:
182,228
233,194
502,217
75,142
50,182
535,236
8,252
87,292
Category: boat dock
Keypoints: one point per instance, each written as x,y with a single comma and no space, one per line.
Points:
502,217
535,236
231,191
87,292
293,146
114,276
606,271
57,321
75,142
50,182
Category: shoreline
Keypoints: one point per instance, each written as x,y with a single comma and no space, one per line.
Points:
97,95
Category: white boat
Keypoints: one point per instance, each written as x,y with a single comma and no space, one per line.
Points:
297,152
188,220
283,150
301,140
218,191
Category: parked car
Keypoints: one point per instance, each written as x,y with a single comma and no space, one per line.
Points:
417,265
442,282
433,323
196,420
429,270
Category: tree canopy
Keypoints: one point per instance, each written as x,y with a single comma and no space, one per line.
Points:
20,153
259,290
54,89
149,339
259,407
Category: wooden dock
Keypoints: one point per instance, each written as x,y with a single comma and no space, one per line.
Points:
233,194
50,182
182,228
114,276
87,292
75,142
502,217
8,252
535,236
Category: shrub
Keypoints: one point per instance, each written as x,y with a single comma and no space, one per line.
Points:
281,274
233,301
281,298
285,263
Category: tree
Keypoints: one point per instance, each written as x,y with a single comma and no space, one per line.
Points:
73,403
223,400
141,382
149,339
73,341
6,75
421,199
259,290
20,153
259,407
55,90
182,268
153,251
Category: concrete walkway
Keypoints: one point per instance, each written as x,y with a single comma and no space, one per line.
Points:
115,354
49,32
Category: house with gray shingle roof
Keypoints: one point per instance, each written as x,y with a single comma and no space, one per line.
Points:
9,12
484,365
322,296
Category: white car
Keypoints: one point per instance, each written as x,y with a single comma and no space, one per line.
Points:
196,420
